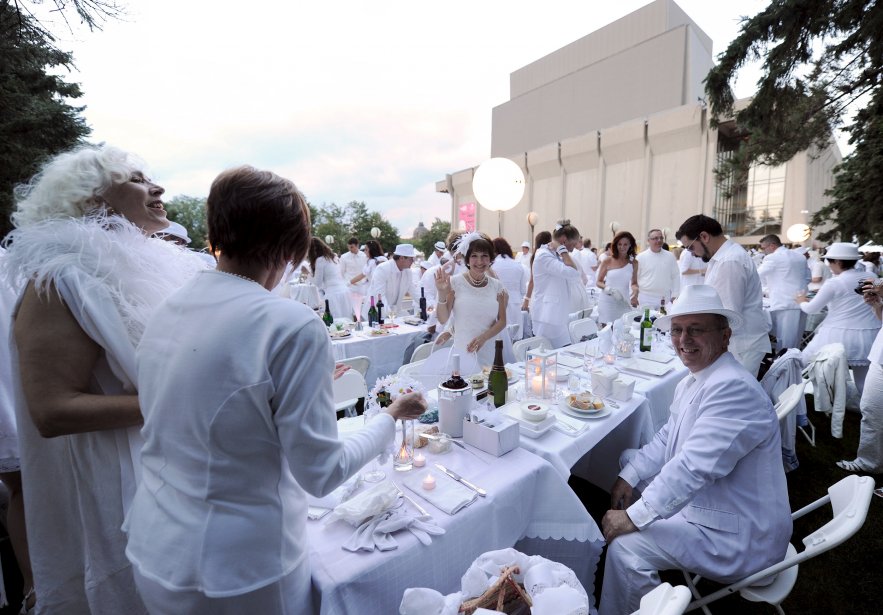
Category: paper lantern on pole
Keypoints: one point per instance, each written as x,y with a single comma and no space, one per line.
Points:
498,184
797,233
329,239
375,232
614,227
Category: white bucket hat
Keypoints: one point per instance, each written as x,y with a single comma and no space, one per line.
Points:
843,251
440,245
698,299
405,249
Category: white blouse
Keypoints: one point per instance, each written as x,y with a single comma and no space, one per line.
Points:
235,387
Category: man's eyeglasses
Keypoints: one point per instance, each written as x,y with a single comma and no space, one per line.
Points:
655,238
690,245
693,331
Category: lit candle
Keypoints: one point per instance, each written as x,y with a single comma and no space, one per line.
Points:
610,359
419,460
536,385
429,482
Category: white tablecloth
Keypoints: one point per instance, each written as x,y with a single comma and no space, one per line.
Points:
386,352
528,506
305,293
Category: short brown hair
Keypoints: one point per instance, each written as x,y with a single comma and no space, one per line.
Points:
258,217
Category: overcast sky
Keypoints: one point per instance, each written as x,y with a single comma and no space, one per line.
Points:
352,100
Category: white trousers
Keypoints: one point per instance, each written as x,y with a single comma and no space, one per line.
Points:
870,444
290,595
788,327
749,351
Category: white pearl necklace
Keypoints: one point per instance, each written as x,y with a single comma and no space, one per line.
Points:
476,284
236,275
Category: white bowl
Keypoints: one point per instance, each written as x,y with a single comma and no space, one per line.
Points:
534,410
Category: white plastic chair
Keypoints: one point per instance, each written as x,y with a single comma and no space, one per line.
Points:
789,399
665,600
581,330
520,348
360,364
850,499
412,369
424,350
348,389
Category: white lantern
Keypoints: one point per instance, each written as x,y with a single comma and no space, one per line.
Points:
498,184
329,239
375,232
540,373
797,233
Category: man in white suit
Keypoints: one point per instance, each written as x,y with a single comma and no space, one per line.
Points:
785,274
554,271
392,280
713,497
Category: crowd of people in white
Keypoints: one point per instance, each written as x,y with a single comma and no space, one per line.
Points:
162,419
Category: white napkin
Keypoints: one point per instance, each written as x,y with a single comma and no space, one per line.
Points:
365,505
341,494
448,495
377,532
577,425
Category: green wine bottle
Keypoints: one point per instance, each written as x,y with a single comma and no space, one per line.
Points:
327,318
372,313
498,383
646,331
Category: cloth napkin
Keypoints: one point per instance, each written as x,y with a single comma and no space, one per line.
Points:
448,495
365,505
377,532
578,425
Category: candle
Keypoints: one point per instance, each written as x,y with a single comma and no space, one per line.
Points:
429,482
610,359
536,385
419,460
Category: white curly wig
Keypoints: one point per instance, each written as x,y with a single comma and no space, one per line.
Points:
68,183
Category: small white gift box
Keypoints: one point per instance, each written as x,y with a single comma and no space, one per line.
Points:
602,381
496,440
623,387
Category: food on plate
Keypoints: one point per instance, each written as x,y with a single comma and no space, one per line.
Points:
421,441
585,402
340,333
388,325
379,332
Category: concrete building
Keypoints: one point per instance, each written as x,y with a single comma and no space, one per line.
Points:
612,131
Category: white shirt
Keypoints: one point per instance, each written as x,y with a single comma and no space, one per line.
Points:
732,274
784,274
551,298
392,284
238,425
590,266
658,274
327,275
818,269
687,262
352,265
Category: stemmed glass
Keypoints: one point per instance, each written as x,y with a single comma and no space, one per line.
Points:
375,474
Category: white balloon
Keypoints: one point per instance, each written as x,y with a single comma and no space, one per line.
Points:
498,184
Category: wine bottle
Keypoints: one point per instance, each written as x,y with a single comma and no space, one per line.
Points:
327,318
646,331
423,315
455,381
372,313
498,383
662,311
379,309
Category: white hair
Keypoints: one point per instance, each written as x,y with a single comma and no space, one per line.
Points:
68,183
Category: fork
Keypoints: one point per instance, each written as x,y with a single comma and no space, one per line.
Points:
423,512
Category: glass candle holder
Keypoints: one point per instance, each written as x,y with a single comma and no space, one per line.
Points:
403,459
540,373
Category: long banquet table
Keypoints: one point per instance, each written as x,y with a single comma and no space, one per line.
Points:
386,352
528,506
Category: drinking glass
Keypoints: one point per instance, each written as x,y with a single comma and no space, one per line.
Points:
374,474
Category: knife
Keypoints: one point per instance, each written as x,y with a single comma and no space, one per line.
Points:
461,480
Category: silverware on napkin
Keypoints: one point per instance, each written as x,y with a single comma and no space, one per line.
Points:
461,480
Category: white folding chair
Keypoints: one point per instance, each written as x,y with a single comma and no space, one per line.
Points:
347,390
520,348
360,364
581,330
411,369
850,499
664,600
789,399
424,350
514,330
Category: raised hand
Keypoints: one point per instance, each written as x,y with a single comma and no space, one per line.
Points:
442,282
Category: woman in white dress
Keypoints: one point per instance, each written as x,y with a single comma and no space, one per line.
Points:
238,419
327,277
513,276
476,300
618,277
850,320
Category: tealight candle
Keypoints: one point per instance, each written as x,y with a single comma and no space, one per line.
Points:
419,460
610,358
429,482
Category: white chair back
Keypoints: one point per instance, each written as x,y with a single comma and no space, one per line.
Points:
360,364
789,399
665,600
348,389
412,369
424,350
520,348
581,330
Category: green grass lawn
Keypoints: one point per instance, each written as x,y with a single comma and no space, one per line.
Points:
846,579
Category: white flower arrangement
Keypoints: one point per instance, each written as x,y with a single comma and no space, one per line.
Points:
389,388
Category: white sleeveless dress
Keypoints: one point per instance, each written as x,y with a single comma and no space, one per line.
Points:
475,311
610,308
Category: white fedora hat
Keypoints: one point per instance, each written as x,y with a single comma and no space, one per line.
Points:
440,245
843,251
404,249
176,230
698,299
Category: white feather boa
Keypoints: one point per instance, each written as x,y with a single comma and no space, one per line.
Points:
136,271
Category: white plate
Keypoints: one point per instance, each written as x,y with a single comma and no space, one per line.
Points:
657,357
580,414
531,429
646,367
341,336
569,361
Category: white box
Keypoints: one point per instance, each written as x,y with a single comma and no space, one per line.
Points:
497,440
623,388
